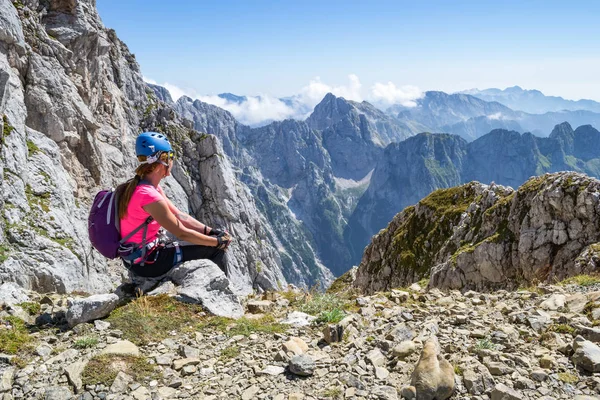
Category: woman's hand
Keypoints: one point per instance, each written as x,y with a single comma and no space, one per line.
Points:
223,241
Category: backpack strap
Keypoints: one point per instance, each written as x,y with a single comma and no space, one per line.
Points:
133,232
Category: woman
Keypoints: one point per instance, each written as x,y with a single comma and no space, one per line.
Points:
144,209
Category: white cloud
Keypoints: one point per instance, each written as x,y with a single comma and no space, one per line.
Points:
256,110
175,91
389,94
314,92
260,110
495,116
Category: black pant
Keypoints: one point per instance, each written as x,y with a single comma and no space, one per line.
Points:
164,259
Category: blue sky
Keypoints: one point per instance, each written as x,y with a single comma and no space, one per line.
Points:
279,48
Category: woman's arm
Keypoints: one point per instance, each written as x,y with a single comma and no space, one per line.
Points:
161,212
187,220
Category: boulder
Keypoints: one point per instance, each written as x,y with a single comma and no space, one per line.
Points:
259,306
298,319
73,372
333,333
503,392
586,354
202,282
90,308
6,379
433,376
302,365
123,347
12,294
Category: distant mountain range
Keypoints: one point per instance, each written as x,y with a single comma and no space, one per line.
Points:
471,117
327,184
469,114
532,101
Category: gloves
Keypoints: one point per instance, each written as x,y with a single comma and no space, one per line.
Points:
223,241
217,232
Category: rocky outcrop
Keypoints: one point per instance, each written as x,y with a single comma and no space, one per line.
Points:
488,237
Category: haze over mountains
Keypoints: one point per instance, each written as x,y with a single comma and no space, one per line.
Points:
470,114
342,174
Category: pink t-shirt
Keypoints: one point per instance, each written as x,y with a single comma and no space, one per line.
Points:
142,195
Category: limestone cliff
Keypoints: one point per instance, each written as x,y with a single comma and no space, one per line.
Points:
72,101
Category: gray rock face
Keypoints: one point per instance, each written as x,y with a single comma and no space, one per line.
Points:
12,294
202,282
354,134
72,101
91,308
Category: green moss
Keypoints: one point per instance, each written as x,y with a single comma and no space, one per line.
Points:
32,308
467,248
41,200
561,328
532,185
4,252
32,148
103,369
503,204
7,128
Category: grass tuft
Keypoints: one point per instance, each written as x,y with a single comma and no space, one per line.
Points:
14,337
458,370
32,148
333,392
562,328
315,304
103,369
582,280
85,343
330,317
486,344
229,353
151,318
32,308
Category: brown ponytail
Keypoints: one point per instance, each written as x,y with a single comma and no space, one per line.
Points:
125,190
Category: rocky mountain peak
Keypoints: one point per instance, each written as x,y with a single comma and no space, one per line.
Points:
329,111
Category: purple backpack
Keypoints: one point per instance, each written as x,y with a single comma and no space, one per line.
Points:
104,226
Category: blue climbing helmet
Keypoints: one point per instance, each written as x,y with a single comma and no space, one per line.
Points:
149,143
